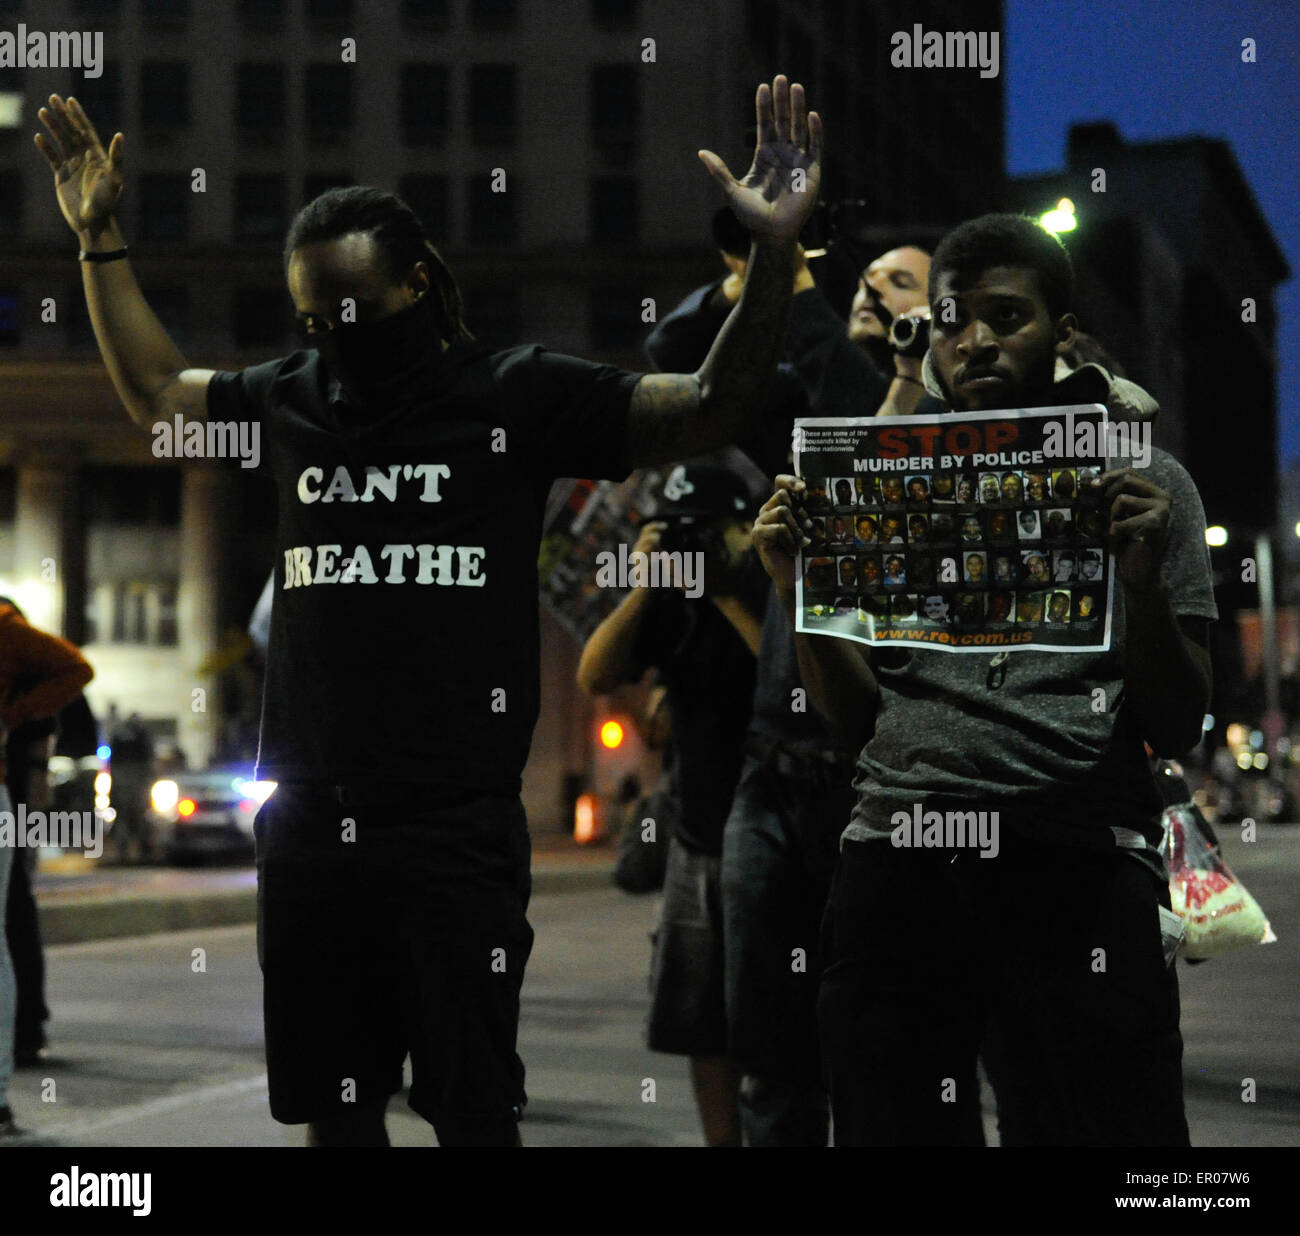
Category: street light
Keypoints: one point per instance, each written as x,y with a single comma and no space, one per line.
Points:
1216,536
1059,220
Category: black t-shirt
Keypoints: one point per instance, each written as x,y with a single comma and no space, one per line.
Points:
709,673
778,712
404,639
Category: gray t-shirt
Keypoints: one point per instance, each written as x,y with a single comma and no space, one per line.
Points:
1041,747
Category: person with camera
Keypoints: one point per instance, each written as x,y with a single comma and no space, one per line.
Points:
936,954
780,836
887,335
703,649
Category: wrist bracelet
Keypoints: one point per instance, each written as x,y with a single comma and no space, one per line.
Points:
902,377
111,255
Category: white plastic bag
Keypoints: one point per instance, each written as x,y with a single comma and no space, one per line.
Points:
1218,911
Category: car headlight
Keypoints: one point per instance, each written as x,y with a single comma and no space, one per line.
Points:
258,791
164,795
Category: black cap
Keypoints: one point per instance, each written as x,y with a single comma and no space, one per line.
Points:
703,490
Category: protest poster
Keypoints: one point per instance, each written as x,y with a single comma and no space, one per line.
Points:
589,518
962,531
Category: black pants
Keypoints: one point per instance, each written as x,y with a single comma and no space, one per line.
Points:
23,928
777,858
1050,960
388,930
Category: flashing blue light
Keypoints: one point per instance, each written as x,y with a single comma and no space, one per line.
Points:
104,751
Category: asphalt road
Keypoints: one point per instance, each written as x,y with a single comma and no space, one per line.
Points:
147,1053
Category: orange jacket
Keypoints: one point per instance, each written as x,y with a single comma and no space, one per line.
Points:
39,673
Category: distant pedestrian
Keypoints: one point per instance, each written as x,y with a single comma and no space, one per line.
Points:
131,765
39,674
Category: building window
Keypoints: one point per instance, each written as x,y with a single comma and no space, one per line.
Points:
101,99
164,95
802,56
493,16
171,305
262,15
497,315
90,631
143,612
165,628
490,218
129,613
492,104
425,104
165,15
10,328
763,27
170,302
164,206
613,14
614,109
12,84
132,495
11,204
259,317
318,182
89,12
614,318
77,330
261,94
615,214
260,207
427,16
430,198
328,16
329,103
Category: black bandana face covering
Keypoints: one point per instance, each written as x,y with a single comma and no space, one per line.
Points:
384,364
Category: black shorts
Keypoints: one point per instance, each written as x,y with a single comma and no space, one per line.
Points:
688,1010
388,930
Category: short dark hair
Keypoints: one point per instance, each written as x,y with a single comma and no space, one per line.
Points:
1006,240
397,231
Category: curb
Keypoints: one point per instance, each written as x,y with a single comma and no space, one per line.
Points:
79,921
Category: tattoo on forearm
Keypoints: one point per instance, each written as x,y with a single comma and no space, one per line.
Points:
657,417
672,415
745,350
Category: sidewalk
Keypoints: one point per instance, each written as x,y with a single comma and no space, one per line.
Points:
81,899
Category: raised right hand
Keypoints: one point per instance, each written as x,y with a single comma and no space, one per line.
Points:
87,178
781,530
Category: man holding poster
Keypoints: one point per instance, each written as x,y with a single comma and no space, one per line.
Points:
994,776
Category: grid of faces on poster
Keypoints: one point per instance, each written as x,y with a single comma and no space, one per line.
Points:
1004,549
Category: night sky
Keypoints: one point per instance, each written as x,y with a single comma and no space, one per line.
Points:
1165,69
